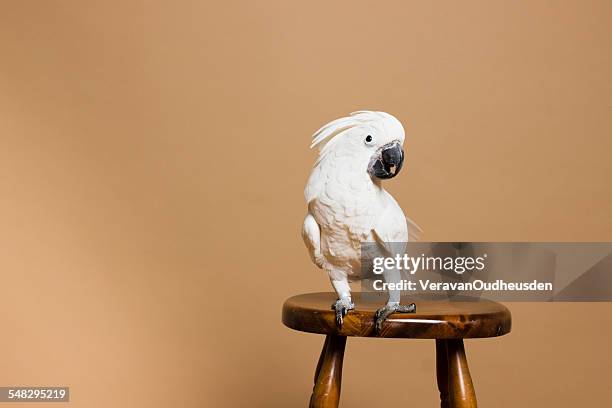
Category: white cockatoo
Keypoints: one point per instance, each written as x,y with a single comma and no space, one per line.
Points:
347,204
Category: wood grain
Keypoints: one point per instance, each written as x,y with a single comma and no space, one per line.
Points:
468,318
460,388
328,375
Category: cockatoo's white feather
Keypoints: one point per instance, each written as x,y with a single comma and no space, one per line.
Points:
337,126
330,130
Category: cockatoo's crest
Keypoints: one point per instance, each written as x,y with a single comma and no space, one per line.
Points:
325,136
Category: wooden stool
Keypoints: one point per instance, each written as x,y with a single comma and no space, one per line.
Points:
447,322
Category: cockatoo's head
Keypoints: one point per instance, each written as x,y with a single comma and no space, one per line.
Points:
373,139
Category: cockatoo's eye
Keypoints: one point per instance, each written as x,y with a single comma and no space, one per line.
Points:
369,140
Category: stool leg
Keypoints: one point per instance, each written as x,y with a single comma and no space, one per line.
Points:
321,357
460,387
442,372
326,390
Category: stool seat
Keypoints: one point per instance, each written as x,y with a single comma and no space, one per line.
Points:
459,319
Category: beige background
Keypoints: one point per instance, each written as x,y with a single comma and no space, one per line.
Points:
151,152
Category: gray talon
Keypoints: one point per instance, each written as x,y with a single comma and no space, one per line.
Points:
384,312
342,306
411,308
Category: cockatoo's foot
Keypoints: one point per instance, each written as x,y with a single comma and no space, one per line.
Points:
342,306
386,311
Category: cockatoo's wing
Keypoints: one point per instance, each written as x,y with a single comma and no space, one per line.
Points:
391,230
312,238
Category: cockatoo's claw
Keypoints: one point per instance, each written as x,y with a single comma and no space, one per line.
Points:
384,312
411,308
342,306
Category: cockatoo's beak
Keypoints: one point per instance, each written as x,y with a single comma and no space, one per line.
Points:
387,161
